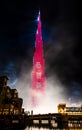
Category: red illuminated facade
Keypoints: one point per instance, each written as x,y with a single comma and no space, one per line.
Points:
38,73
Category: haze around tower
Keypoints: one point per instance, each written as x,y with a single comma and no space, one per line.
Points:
62,49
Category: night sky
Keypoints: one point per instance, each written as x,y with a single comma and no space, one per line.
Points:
62,49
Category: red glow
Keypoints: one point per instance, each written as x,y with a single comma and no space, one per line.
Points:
38,73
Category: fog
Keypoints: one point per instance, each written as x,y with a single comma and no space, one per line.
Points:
48,101
62,69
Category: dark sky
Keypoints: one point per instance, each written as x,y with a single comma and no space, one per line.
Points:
60,29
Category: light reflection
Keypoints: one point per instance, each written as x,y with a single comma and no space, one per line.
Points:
35,128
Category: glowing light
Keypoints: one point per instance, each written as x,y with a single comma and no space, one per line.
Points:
38,16
37,32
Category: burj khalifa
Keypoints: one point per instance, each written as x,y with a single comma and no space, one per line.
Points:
38,73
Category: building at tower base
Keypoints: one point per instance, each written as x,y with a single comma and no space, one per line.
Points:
10,103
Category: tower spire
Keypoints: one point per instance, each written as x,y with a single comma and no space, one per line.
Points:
39,42
38,73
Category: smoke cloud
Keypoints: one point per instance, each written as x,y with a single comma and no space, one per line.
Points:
62,67
46,103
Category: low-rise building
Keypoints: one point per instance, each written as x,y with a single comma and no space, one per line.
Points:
10,103
62,108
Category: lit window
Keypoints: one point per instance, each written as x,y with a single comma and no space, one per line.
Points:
8,90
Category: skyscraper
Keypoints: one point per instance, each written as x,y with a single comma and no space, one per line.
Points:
38,73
